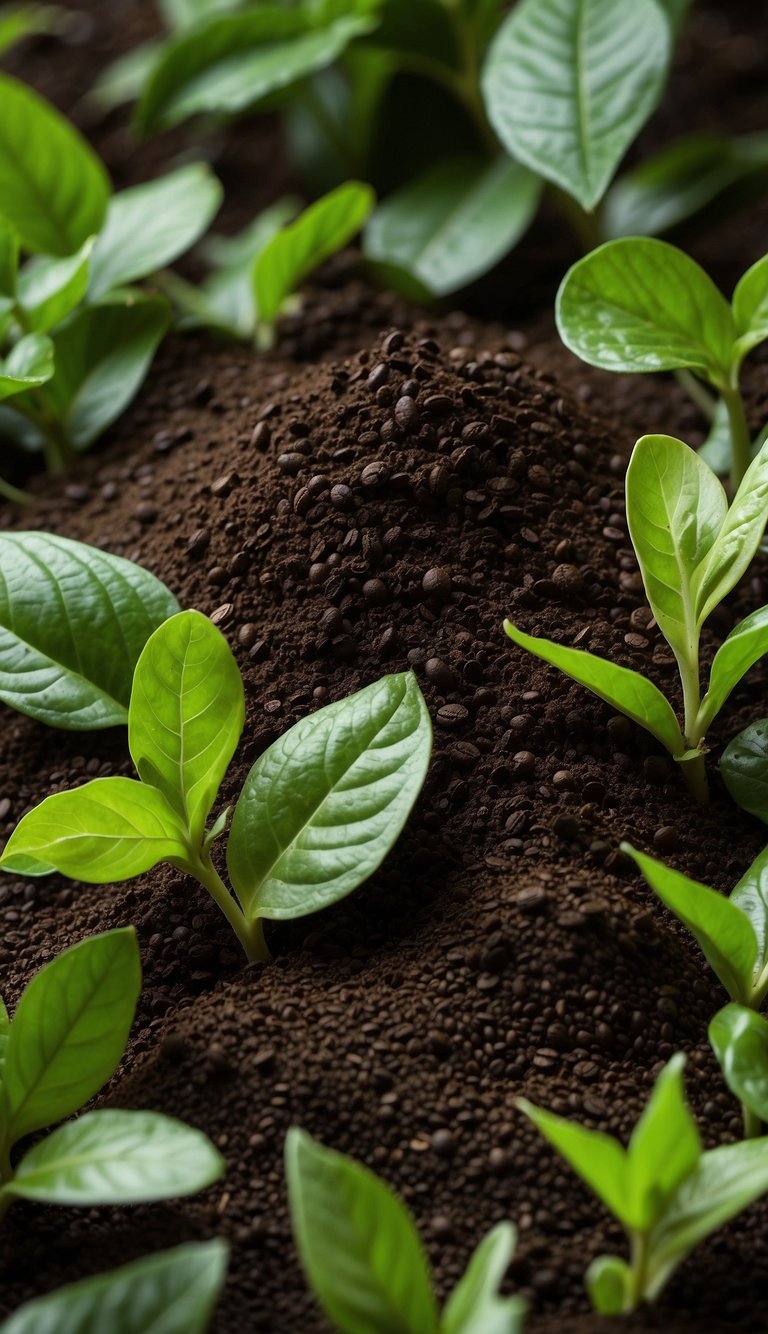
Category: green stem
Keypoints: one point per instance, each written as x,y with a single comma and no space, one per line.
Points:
584,225
741,440
13,493
695,775
753,1125
693,766
698,393
250,934
638,1270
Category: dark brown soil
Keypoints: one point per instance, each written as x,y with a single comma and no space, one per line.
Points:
396,484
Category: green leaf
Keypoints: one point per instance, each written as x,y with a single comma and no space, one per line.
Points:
739,1037
19,21
597,1158
107,830
723,1183
744,646
624,689
116,1157
171,1293
638,304
186,714
455,222
150,225
720,926
235,60
69,1031
322,807
717,449
744,767
320,231
750,306
123,79
676,508
739,538
49,289
608,1281
186,13
751,897
358,1244
54,190
5,1024
9,258
676,12
28,365
474,1306
67,655
568,85
664,1148
102,357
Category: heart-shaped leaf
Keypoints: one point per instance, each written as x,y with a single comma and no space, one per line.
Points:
186,715
739,1037
116,1157
67,655
569,83
171,1293
322,807
69,1031
455,222
53,188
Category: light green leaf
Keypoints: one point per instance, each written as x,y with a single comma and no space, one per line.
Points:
322,807
750,307
320,231
717,450
739,538
67,655
358,1244
49,289
116,1157
107,830
28,365
638,304
744,646
624,689
150,225
664,1148
723,1183
186,13
474,1306
9,258
675,511
235,60
568,84
744,766
751,897
739,1037
597,1158
69,1032
721,927
171,1293
608,1281
455,222
186,714
102,357
54,190
123,79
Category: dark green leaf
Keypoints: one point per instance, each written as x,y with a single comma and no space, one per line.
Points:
455,222
171,1293
358,1244
744,767
149,226
53,188
67,656
626,690
739,1037
186,714
69,1032
322,807
475,1306
569,83
424,30
49,289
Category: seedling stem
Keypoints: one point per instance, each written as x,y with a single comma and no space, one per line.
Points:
250,934
741,442
753,1126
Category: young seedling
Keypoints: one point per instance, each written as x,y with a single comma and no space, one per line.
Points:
692,549
73,622
75,340
174,1292
319,811
639,304
665,1190
263,269
364,1260
732,932
62,1045
739,1038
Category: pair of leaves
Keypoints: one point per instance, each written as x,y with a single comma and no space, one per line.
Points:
568,84
662,1187
365,1262
732,932
639,304
67,654
175,1292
